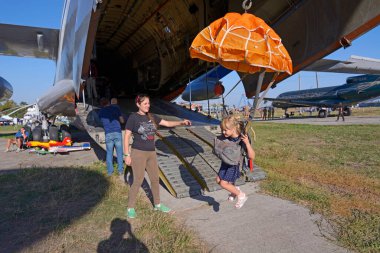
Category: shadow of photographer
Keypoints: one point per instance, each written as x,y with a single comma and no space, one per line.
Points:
117,243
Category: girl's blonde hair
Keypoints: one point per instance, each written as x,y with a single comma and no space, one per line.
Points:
230,122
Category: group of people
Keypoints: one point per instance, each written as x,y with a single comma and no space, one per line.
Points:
141,156
267,113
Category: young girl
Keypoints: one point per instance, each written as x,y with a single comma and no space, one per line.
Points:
232,131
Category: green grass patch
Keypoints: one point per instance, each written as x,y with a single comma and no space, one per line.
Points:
81,210
333,170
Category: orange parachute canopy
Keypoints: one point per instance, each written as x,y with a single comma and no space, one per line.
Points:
242,42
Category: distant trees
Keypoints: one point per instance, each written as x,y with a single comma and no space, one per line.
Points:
10,106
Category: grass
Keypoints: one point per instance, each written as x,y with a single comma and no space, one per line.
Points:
333,170
8,131
80,210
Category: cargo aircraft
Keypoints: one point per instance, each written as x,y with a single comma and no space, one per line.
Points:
142,46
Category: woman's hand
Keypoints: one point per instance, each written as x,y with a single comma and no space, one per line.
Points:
186,122
128,160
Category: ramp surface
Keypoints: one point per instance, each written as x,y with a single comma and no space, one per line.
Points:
197,166
174,174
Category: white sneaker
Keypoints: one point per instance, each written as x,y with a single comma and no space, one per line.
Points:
242,198
6,150
18,150
232,197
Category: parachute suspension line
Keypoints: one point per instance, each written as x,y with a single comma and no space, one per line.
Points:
241,79
268,87
258,89
224,110
208,99
247,4
190,90
259,99
223,97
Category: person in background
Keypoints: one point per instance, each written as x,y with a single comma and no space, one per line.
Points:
21,136
143,125
340,111
111,118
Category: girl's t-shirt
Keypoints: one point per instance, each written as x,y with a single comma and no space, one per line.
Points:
143,131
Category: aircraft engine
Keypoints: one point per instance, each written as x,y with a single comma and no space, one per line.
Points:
199,90
6,89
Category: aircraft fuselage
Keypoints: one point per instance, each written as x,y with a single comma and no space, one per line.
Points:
356,89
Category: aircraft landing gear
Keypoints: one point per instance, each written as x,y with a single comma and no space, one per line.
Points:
347,111
322,113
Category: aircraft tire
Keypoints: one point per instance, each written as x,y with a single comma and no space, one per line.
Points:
347,111
65,134
64,127
322,114
53,133
37,133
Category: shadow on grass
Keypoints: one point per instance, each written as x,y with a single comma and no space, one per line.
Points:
7,135
117,242
36,202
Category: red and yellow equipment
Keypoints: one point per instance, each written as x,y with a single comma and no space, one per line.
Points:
65,142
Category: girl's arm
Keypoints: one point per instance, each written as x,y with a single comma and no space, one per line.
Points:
250,152
166,123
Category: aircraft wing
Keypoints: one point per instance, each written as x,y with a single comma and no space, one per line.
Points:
354,65
25,41
285,103
310,30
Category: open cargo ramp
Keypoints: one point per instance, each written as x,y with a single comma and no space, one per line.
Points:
190,157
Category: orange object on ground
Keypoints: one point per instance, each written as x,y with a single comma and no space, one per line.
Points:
242,42
65,142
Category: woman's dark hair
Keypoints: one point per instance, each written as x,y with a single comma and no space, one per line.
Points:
140,98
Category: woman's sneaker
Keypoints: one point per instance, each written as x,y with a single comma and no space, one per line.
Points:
232,197
162,208
131,213
242,198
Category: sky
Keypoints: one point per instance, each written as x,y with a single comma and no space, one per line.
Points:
31,77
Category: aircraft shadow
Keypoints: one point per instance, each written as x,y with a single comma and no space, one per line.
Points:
37,202
117,243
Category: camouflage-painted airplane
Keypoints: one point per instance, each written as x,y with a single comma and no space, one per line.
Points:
355,90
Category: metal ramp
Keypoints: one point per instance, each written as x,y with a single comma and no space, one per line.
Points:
174,174
190,156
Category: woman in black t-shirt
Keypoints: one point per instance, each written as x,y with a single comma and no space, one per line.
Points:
143,125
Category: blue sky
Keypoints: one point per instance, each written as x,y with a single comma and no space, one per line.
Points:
31,77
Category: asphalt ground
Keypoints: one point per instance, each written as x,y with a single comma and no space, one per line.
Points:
263,224
24,159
